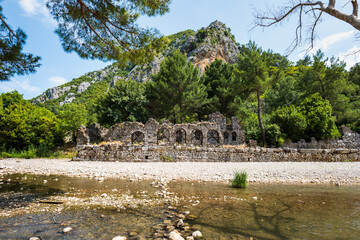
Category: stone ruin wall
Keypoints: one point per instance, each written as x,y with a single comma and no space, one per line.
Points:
213,133
212,141
349,140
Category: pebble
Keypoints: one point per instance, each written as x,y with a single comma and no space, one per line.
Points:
35,238
119,238
273,172
197,234
255,198
179,223
175,235
67,229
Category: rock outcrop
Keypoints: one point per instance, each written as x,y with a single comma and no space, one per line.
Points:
83,87
52,93
201,47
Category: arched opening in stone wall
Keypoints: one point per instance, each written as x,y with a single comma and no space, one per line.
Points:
234,136
180,135
138,138
226,138
163,136
197,138
213,137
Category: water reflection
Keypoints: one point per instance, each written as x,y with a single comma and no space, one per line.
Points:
219,211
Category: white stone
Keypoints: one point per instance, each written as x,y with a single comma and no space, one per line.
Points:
119,238
197,234
174,235
67,229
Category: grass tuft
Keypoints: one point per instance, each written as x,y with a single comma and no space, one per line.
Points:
240,180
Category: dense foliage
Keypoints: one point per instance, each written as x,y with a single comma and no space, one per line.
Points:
275,100
177,90
107,30
125,102
23,125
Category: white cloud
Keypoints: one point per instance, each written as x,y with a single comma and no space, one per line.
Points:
30,6
22,86
350,57
327,42
37,8
56,80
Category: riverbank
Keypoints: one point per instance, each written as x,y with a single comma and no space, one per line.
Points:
259,172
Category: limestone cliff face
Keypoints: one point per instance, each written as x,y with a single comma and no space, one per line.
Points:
201,47
213,42
65,94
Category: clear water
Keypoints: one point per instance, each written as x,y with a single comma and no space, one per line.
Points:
221,212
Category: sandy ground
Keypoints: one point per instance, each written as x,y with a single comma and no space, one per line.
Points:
262,172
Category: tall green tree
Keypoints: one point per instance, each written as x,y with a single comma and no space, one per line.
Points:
223,87
12,59
72,116
125,102
107,30
255,74
177,90
330,81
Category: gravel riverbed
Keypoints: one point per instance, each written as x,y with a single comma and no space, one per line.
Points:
261,172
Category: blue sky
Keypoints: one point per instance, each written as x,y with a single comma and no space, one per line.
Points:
335,38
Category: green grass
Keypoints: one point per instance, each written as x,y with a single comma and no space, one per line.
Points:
240,180
32,152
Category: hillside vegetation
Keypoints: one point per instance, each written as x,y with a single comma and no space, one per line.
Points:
201,72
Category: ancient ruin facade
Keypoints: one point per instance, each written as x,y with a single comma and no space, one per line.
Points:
215,132
211,141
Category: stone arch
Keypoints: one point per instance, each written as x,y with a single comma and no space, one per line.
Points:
226,138
163,136
138,137
180,136
197,137
213,137
234,136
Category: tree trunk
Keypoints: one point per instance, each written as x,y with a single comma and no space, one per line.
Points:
260,121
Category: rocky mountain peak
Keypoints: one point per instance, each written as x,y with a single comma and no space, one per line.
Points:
218,25
201,47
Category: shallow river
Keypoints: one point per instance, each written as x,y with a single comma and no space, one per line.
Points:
217,210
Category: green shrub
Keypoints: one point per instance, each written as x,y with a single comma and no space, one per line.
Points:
201,35
239,180
320,121
291,121
23,124
273,135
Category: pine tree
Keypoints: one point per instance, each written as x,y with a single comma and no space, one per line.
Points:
178,90
223,87
255,76
12,60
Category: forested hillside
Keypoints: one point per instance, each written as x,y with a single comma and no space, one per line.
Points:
204,71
